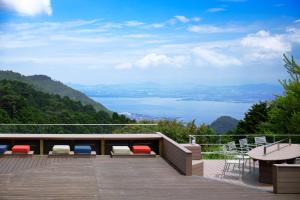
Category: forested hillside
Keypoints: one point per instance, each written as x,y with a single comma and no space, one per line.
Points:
46,84
21,103
224,124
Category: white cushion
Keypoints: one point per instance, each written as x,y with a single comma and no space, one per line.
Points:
121,150
61,149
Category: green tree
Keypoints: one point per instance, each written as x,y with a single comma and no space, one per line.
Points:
285,110
257,115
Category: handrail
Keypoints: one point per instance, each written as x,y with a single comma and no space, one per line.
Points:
220,139
78,124
248,135
274,143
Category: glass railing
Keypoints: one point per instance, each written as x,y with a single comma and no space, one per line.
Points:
77,128
211,145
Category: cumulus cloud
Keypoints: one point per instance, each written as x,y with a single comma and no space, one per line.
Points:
265,41
153,60
214,10
28,7
204,56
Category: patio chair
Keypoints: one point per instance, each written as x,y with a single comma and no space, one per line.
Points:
245,148
238,154
229,160
259,141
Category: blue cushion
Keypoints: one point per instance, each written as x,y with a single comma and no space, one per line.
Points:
83,149
3,148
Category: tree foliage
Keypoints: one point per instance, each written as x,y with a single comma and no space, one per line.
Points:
20,103
280,116
285,110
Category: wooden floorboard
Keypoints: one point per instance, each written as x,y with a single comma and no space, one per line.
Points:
105,178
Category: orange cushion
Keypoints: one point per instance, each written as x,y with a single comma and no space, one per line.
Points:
20,149
141,149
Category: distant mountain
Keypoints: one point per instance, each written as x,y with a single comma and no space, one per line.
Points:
224,124
250,93
46,84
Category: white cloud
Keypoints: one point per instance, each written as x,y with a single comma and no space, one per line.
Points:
263,40
139,36
196,19
157,25
153,60
212,29
213,10
182,19
297,21
28,7
134,23
204,56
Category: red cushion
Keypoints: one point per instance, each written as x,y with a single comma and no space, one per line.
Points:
20,149
141,149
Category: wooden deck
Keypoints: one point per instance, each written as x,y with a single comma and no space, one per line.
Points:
105,178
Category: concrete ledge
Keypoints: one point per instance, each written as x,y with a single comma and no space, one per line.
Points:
82,155
51,154
9,153
132,155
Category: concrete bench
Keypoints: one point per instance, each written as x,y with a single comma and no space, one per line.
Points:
197,167
286,178
197,163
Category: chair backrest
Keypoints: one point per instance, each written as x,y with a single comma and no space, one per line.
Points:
231,146
260,140
224,148
244,144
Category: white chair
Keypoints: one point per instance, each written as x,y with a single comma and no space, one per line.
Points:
259,141
239,154
229,160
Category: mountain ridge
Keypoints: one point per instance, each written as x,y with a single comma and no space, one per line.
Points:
224,124
46,84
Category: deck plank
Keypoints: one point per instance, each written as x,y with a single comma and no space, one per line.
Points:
105,178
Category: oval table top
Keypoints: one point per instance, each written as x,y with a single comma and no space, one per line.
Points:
285,152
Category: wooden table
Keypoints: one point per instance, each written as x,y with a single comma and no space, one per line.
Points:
276,154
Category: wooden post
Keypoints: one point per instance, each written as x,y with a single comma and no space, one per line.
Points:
102,148
41,147
160,147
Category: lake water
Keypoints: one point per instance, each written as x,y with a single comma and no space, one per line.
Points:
201,111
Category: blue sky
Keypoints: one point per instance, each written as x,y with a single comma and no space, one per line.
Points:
215,42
